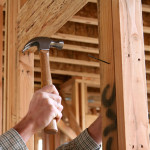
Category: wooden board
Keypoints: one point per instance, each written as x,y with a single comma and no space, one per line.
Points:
1,49
56,14
107,77
130,75
18,89
10,65
25,86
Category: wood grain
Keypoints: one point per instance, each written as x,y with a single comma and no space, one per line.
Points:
56,14
130,75
25,86
46,79
107,73
1,49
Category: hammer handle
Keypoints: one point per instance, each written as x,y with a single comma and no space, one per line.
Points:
46,79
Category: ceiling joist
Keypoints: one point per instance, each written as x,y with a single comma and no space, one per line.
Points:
71,61
75,38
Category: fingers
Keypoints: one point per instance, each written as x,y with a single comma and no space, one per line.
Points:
56,104
55,97
49,89
58,116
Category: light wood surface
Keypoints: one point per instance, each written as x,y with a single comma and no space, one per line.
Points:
47,22
76,38
16,82
130,75
71,73
25,87
69,113
1,49
71,61
107,76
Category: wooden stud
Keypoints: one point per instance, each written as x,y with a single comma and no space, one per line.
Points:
75,100
10,65
19,83
107,76
69,113
47,22
1,49
82,104
130,75
25,86
5,75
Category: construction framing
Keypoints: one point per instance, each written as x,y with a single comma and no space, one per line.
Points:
123,89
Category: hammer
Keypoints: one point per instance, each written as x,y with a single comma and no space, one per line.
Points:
44,44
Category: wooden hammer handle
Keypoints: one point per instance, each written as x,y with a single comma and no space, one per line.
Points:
46,79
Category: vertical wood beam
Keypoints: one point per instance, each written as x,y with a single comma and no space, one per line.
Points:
5,74
75,100
1,50
130,75
121,40
25,86
19,84
82,104
107,76
10,64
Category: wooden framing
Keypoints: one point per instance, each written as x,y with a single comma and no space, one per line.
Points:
47,22
130,74
19,73
121,27
10,65
1,49
107,79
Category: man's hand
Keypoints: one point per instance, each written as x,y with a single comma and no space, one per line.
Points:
44,107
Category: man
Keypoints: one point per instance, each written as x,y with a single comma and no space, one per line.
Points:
45,106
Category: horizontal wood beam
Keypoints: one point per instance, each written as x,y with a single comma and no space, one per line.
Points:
147,48
147,71
81,48
92,1
147,57
55,81
71,61
84,20
94,21
45,17
146,30
75,38
71,73
145,8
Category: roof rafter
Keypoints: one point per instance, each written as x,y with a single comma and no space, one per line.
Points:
44,23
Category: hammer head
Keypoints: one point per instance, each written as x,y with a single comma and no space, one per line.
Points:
43,43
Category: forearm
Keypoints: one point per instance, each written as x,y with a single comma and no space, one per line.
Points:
95,130
25,128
